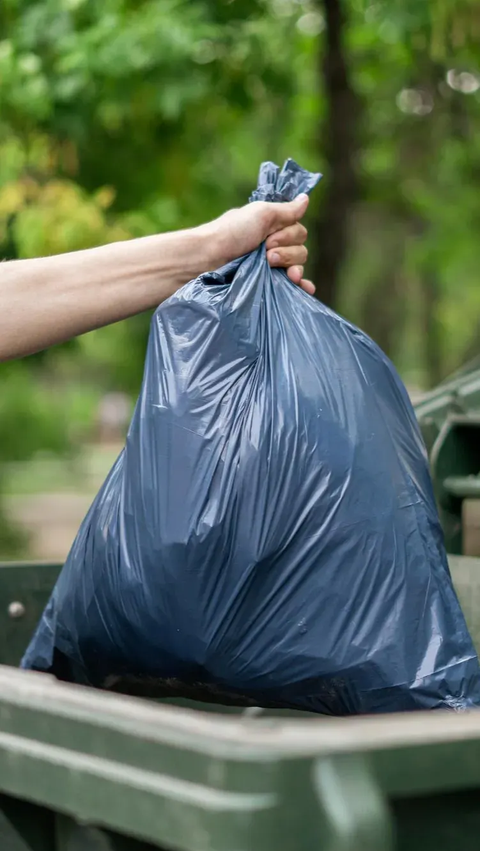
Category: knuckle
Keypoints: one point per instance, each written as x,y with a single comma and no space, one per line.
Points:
280,237
299,254
290,237
273,241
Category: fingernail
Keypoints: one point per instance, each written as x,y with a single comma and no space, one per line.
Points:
302,196
275,258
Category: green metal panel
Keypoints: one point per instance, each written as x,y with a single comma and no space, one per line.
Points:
178,779
449,418
464,487
455,464
122,767
24,592
25,826
458,395
447,822
72,836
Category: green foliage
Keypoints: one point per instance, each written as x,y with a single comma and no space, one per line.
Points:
167,104
42,213
151,95
412,276
123,118
32,418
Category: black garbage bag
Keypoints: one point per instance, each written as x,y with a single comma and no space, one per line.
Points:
269,530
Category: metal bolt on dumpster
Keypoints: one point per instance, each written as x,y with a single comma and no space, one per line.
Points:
83,770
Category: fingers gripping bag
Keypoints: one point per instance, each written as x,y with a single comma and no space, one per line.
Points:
269,530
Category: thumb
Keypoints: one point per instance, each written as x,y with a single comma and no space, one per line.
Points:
289,213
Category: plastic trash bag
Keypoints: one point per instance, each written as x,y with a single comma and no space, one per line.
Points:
269,530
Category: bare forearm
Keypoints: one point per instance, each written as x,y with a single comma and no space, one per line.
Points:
49,300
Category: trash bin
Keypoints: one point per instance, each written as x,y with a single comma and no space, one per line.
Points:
449,417
81,769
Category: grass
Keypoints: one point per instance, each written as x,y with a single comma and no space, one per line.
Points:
48,474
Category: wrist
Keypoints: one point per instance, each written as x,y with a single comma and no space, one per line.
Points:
212,246
198,250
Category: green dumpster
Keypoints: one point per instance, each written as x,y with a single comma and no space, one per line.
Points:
449,417
81,769
89,770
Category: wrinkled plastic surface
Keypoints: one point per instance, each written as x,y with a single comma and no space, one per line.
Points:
270,525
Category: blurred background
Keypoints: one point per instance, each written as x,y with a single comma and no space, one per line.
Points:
121,118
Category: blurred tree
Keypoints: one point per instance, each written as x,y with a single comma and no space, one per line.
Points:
31,419
339,142
172,103
416,71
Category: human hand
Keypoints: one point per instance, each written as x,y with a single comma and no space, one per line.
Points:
240,231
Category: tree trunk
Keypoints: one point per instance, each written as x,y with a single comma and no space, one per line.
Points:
431,331
330,232
383,314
